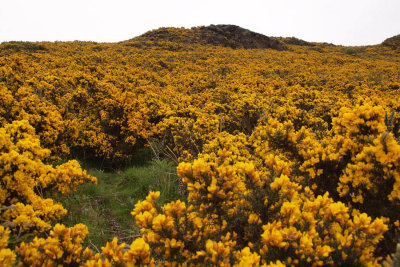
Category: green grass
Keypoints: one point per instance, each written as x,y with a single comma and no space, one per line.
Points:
105,208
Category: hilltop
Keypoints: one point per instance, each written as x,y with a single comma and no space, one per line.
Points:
219,35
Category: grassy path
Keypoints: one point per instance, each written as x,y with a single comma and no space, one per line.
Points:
105,208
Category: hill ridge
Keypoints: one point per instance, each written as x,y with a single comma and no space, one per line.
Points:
225,35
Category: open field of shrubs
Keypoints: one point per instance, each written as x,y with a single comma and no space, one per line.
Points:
286,157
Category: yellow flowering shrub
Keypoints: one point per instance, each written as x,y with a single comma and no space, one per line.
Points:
25,179
190,134
236,211
320,230
7,256
290,225
23,103
62,247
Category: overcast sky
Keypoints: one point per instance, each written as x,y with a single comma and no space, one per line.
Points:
345,22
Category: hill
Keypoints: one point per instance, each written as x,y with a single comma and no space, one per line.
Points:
219,35
266,151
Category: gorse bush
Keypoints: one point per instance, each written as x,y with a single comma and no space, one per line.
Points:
26,180
350,51
283,157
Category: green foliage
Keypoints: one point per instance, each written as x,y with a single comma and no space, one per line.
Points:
350,51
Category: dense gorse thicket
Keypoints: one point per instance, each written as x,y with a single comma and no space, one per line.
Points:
288,157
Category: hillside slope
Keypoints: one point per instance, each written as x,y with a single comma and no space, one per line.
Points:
287,152
393,42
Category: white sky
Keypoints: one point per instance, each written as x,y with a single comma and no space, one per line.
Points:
346,22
